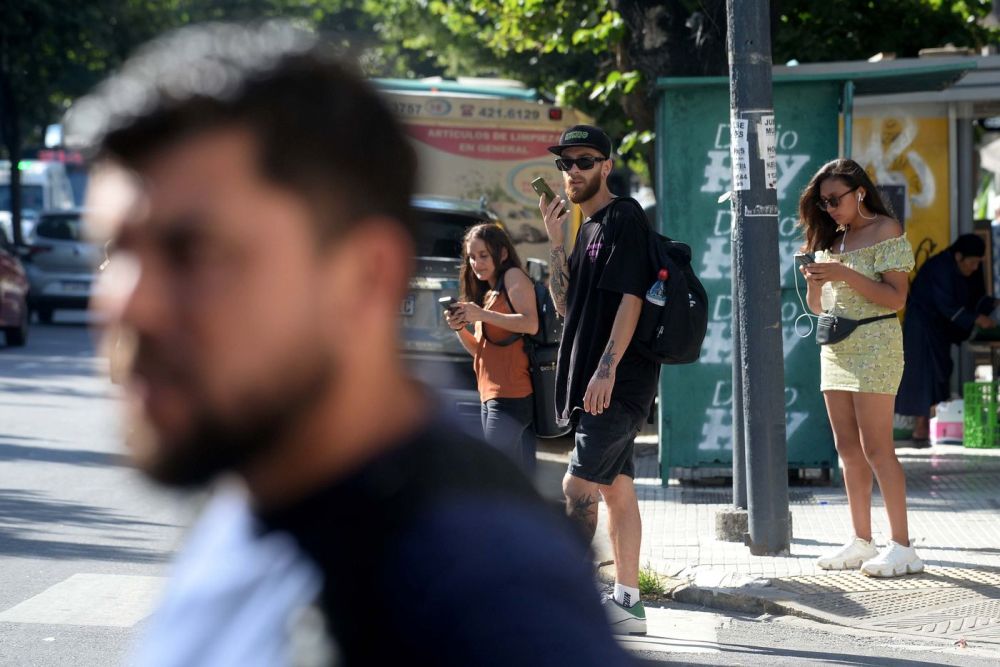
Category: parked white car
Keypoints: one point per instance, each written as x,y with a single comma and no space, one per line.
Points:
60,261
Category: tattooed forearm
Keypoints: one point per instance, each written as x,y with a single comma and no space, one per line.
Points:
606,362
558,278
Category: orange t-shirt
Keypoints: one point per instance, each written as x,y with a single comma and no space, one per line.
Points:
501,371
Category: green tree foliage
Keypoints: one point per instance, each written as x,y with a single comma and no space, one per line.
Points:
604,56
601,56
52,51
856,29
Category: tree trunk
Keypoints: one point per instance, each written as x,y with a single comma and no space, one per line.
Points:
13,142
666,39
10,133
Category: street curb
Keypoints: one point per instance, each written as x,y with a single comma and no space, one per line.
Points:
724,599
765,600
761,596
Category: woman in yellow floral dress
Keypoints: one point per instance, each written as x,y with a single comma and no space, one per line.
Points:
861,271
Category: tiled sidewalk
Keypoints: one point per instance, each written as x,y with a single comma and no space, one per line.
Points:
954,513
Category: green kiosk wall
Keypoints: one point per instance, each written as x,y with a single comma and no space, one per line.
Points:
693,171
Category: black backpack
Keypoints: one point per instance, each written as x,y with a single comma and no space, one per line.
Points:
671,333
550,324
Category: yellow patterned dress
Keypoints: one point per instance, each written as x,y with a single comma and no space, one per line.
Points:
871,358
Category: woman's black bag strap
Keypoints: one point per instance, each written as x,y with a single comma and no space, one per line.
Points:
511,339
869,320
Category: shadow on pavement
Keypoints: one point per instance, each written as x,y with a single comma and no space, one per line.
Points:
15,546
42,390
84,457
822,657
26,512
24,508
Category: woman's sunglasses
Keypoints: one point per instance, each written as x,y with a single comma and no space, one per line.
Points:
584,163
834,201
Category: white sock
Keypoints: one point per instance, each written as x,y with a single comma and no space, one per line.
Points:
626,595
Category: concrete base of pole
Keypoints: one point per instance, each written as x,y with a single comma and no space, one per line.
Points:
761,550
732,525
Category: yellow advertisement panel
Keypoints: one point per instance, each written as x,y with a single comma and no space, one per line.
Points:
475,146
905,151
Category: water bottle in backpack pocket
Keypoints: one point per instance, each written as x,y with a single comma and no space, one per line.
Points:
657,294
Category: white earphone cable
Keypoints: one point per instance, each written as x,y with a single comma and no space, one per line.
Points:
805,311
860,197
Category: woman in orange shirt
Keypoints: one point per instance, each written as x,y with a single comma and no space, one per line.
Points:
498,298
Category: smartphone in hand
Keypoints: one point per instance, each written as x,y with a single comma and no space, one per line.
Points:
447,302
542,189
803,258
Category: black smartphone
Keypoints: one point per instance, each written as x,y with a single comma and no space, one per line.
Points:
542,189
803,258
447,302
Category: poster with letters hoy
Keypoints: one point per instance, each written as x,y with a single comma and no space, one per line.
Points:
695,154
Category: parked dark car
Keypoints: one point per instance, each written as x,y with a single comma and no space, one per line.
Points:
13,294
432,349
60,262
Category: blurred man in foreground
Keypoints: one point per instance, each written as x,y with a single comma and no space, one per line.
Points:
256,195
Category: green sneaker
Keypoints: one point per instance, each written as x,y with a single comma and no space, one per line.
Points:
625,620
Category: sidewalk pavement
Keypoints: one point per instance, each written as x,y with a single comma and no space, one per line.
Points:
954,514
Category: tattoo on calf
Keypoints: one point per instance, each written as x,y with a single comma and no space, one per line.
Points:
582,511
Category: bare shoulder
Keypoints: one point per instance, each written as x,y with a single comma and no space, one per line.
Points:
888,228
516,277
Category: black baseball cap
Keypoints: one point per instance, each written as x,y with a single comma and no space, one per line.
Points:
583,135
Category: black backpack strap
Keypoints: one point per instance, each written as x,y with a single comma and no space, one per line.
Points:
618,201
511,339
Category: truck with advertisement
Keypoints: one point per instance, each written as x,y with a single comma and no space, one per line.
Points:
484,138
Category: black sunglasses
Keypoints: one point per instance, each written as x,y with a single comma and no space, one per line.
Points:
584,163
834,201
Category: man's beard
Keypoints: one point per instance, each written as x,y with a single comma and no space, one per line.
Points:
216,443
589,190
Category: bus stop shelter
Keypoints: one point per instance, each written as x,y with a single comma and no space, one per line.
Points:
815,121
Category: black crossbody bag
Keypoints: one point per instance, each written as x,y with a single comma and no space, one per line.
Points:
832,329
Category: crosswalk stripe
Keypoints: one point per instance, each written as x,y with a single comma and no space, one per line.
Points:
113,600
677,631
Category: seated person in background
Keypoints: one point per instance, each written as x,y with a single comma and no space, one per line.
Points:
947,300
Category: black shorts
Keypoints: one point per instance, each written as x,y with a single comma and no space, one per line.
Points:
604,445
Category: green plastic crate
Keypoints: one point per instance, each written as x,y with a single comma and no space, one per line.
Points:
981,429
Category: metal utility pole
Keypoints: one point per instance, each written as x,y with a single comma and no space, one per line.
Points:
739,426
757,311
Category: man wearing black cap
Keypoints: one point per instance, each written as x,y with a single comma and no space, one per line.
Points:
602,385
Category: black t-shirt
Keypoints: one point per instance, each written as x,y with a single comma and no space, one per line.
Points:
610,258
440,552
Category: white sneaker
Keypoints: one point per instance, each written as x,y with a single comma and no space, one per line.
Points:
848,557
893,561
625,620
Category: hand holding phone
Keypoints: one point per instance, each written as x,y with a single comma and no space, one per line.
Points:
803,258
449,306
542,189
